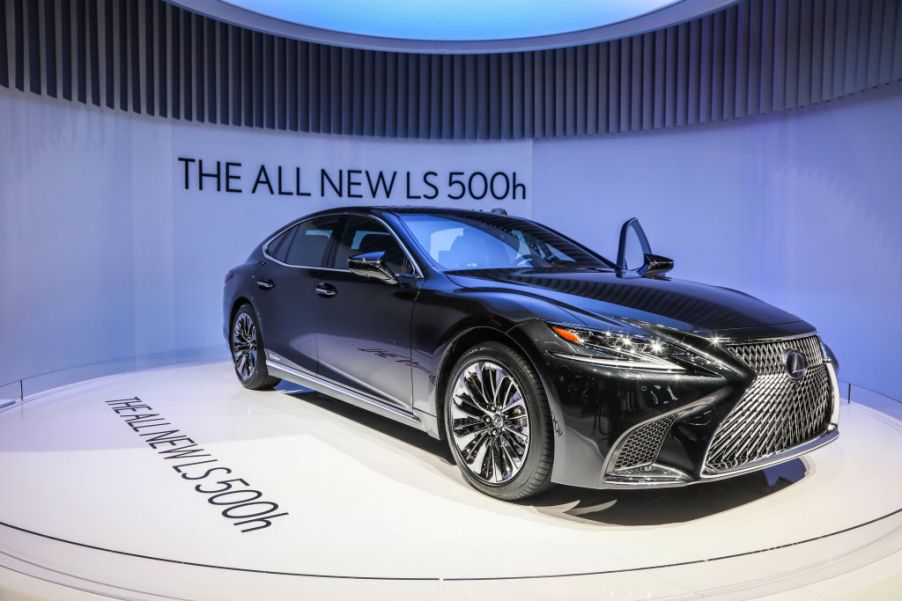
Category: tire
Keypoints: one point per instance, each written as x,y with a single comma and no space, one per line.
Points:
248,354
500,471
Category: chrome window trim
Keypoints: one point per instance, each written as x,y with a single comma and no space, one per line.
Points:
418,273
268,241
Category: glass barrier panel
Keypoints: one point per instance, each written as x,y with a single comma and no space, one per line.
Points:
876,400
10,394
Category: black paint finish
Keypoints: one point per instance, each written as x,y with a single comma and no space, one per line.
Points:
395,343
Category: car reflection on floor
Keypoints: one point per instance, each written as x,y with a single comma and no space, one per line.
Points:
622,507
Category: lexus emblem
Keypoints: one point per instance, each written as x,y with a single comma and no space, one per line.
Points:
796,364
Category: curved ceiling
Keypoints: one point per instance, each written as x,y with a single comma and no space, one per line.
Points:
454,20
458,26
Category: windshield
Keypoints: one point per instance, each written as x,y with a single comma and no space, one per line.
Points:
487,241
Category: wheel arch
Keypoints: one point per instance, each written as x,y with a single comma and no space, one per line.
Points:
460,343
236,304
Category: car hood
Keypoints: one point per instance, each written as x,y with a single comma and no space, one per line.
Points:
674,303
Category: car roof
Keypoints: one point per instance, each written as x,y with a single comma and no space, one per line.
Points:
407,209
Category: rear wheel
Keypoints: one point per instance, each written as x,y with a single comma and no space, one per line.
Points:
498,423
248,355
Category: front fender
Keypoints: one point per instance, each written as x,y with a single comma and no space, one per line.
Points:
446,323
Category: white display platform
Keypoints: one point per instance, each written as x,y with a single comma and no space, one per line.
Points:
378,510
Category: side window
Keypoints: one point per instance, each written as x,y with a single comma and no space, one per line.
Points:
363,235
310,241
278,248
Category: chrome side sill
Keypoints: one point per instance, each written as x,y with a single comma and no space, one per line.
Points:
342,393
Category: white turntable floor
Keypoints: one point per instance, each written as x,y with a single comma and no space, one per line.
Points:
376,509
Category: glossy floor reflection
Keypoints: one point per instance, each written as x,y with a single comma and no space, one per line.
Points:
376,508
625,507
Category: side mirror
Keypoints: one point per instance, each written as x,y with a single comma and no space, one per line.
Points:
372,265
634,252
655,265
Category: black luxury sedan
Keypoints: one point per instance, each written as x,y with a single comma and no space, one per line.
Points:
537,359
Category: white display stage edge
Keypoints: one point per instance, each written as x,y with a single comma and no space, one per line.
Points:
379,510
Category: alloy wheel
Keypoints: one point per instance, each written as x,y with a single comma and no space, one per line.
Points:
244,346
490,422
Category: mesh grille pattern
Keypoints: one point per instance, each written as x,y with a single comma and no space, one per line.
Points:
641,446
767,357
776,413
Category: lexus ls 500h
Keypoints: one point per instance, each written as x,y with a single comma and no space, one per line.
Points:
537,359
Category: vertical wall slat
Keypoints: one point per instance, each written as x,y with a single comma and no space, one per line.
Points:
224,72
518,98
742,60
613,87
424,107
806,21
49,47
358,80
505,84
560,92
886,42
345,97
374,114
164,59
529,95
791,93
692,99
212,70
368,101
624,84
897,56
636,83
4,40
391,75
682,75
303,51
33,29
705,75
753,57
660,97
19,43
875,37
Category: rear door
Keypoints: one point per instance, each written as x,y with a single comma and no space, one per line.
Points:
365,324
286,298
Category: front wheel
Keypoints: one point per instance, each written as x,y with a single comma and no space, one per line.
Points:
248,355
498,423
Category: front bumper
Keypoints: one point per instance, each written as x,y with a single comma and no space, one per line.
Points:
632,429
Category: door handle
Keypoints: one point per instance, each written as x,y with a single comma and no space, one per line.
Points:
266,284
324,289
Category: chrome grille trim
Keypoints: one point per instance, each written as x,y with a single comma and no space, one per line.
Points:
775,414
766,357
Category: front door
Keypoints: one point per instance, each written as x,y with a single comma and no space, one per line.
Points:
285,298
364,324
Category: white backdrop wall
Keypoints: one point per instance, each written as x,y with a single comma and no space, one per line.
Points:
105,254
802,209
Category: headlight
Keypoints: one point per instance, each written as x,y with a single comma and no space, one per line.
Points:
642,352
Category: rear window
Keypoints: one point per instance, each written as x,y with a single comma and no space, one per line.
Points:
305,244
